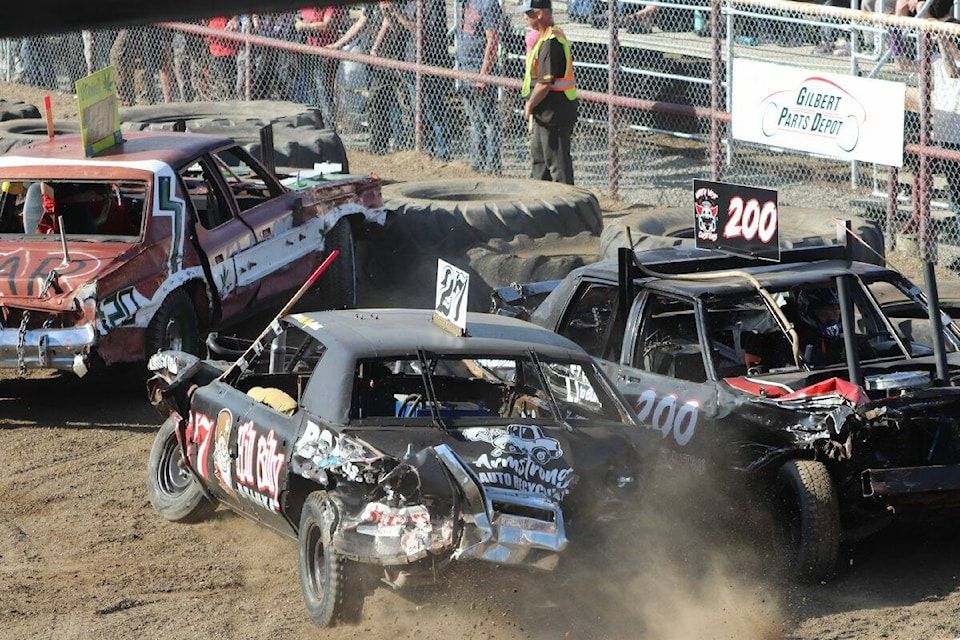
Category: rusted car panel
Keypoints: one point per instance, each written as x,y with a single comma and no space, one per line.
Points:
94,304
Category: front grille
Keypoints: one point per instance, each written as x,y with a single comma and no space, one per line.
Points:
522,510
13,317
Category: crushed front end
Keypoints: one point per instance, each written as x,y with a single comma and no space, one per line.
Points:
428,508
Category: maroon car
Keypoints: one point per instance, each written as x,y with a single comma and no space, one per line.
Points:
147,247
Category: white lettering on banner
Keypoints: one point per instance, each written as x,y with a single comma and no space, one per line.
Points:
840,116
666,417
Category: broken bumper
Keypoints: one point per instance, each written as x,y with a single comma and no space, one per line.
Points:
503,526
64,349
913,482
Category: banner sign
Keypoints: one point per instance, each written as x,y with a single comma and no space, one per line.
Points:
99,111
839,116
450,309
741,220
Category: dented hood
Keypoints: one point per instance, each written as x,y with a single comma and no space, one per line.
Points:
24,267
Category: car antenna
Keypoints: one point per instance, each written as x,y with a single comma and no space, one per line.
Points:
431,392
63,243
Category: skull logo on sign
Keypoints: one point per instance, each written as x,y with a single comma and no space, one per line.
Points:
706,211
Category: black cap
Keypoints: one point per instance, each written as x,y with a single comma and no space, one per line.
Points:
527,5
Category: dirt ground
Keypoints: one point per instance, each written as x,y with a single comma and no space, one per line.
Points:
83,555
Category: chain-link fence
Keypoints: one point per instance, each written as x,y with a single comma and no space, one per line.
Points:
443,77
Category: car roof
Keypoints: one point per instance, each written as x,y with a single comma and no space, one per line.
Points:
770,275
172,148
371,333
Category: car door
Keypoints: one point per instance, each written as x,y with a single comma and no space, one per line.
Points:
243,450
283,239
221,235
591,321
663,372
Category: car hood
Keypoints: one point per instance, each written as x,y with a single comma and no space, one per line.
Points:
24,268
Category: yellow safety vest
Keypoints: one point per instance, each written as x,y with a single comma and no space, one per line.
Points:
564,84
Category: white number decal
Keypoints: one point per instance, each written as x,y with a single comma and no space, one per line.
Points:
664,416
734,211
751,220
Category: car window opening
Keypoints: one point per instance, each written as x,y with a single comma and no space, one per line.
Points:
87,208
468,388
278,376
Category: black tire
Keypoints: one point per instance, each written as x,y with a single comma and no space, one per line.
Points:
524,259
233,113
18,133
808,513
447,216
174,326
16,110
173,490
654,228
331,585
337,287
297,147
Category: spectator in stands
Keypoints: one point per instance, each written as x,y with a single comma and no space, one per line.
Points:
478,39
223,67
137,54
191,61
322,26
273,68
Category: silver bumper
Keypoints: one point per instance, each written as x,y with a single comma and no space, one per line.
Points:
63,349
503,526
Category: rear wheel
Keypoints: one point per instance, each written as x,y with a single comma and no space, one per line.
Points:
808,514
331,585
172,488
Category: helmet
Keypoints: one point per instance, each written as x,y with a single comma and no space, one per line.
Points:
820,309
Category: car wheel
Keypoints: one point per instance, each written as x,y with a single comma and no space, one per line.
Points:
541,455
174,326
331,585
809,517
173,490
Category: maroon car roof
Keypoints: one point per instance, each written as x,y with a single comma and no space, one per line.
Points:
175,149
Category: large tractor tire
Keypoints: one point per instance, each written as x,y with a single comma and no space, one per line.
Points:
19,133
16,110
448,216
233,113
808,511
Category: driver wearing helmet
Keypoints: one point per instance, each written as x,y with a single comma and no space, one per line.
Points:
820,330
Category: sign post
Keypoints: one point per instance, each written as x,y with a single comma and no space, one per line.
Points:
99,111
737,219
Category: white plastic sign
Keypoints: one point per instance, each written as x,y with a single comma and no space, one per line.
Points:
839,116
453,285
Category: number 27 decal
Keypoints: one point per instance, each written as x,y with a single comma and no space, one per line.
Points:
751,219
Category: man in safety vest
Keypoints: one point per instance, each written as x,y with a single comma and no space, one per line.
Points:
551,95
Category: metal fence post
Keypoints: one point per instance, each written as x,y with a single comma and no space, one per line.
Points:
715,54
418,83
613,69
729,81
249,60
924,176
893,190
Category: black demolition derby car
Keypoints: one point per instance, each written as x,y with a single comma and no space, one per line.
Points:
390,447
739,367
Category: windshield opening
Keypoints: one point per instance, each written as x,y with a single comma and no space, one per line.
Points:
468,388
745,338
99,208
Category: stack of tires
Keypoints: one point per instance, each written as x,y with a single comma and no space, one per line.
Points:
499,230
299,136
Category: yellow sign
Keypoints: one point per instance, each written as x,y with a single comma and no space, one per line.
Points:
99,111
